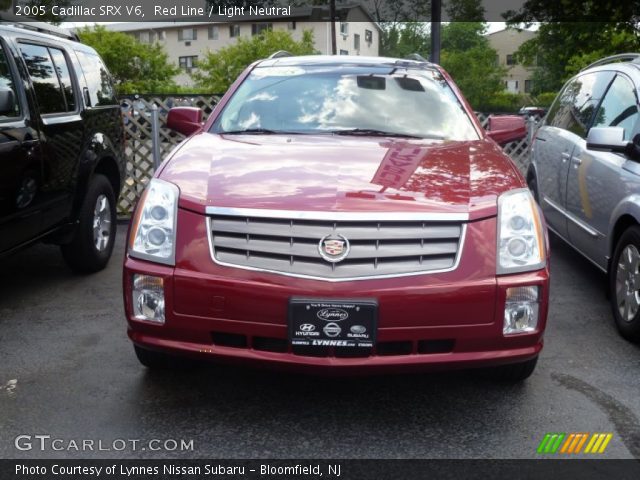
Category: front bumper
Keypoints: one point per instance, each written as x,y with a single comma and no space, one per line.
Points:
426,322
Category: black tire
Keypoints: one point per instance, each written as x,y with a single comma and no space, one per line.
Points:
82,254
629,324
513,373
161,361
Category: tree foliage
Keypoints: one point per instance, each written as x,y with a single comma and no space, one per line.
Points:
136,67
466,55
217,71
572,35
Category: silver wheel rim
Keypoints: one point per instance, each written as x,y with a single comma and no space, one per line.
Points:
628,283
101,223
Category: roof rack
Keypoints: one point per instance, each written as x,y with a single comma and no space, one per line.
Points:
42,27
621,57
280,54
417,57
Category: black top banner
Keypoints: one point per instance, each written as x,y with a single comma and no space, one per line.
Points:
316,10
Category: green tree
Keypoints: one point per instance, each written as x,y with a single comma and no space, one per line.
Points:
571,35
219,69
136,67
401,39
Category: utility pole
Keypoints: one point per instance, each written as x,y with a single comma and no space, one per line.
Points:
332,15
436,20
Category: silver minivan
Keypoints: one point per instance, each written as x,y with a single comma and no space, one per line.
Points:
585,174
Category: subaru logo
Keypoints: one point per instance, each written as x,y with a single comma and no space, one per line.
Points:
332,314
358,329
307,327
332,330
333,248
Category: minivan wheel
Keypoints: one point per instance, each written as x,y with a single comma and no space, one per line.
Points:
624,284
513,373
92,242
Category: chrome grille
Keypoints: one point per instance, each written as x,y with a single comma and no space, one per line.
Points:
378,248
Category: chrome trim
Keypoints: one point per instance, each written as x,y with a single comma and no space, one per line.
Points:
337,216
592,232
578,251
332,280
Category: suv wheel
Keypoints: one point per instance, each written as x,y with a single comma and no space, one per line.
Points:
624,284
92,243
513,373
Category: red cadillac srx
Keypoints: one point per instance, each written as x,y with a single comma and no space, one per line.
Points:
342,215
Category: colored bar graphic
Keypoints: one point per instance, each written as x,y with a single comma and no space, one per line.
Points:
574,442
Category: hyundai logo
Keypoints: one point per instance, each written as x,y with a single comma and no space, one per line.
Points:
332,314
307,327
332,330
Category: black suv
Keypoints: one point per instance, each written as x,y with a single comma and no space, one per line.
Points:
61,145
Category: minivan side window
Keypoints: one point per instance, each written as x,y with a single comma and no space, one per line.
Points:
575,106
98,79
51,81
7,83
619,107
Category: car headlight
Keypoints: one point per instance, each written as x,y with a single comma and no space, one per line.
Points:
521,245
153,228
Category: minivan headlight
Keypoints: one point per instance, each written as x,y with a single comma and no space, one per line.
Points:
521,245
153,228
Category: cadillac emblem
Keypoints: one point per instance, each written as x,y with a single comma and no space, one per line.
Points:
333,248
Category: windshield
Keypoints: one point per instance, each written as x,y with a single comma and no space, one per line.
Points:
365,101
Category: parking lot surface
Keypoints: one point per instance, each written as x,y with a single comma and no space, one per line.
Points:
68,371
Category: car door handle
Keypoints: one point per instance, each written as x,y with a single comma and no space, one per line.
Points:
577,161
565,156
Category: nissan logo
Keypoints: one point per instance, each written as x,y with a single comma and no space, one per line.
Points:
307,327
332,314
332,330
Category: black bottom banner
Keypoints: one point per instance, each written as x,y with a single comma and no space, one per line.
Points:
317,469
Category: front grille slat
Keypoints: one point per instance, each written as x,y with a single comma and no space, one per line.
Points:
290,246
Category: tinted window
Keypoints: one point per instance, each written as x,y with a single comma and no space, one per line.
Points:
576,104
7,83
98,80
44,78
322,100
619,107
62,68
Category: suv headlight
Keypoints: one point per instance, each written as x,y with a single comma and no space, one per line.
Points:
521,245
153,228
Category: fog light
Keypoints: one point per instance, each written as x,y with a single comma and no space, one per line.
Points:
521,310
148,298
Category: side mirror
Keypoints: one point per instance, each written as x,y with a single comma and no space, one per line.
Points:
506,128
607,138
7,101
186,120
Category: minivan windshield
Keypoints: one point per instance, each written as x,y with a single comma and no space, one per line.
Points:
347,101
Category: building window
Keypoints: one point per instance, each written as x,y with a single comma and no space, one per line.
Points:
511,60
213,32
527,86
258,28
356,42
162,35
368,36
143,37
187,34
344,28
291,25
344,52
188,63
234,31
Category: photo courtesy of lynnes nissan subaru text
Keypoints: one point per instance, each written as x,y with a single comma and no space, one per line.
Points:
343,214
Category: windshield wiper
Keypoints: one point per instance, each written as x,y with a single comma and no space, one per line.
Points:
379,133
259,131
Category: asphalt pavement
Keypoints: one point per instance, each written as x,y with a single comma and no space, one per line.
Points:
68,376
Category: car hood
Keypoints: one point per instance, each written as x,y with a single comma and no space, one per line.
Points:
337,173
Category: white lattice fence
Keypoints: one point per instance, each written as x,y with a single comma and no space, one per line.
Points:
137,118
136,110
